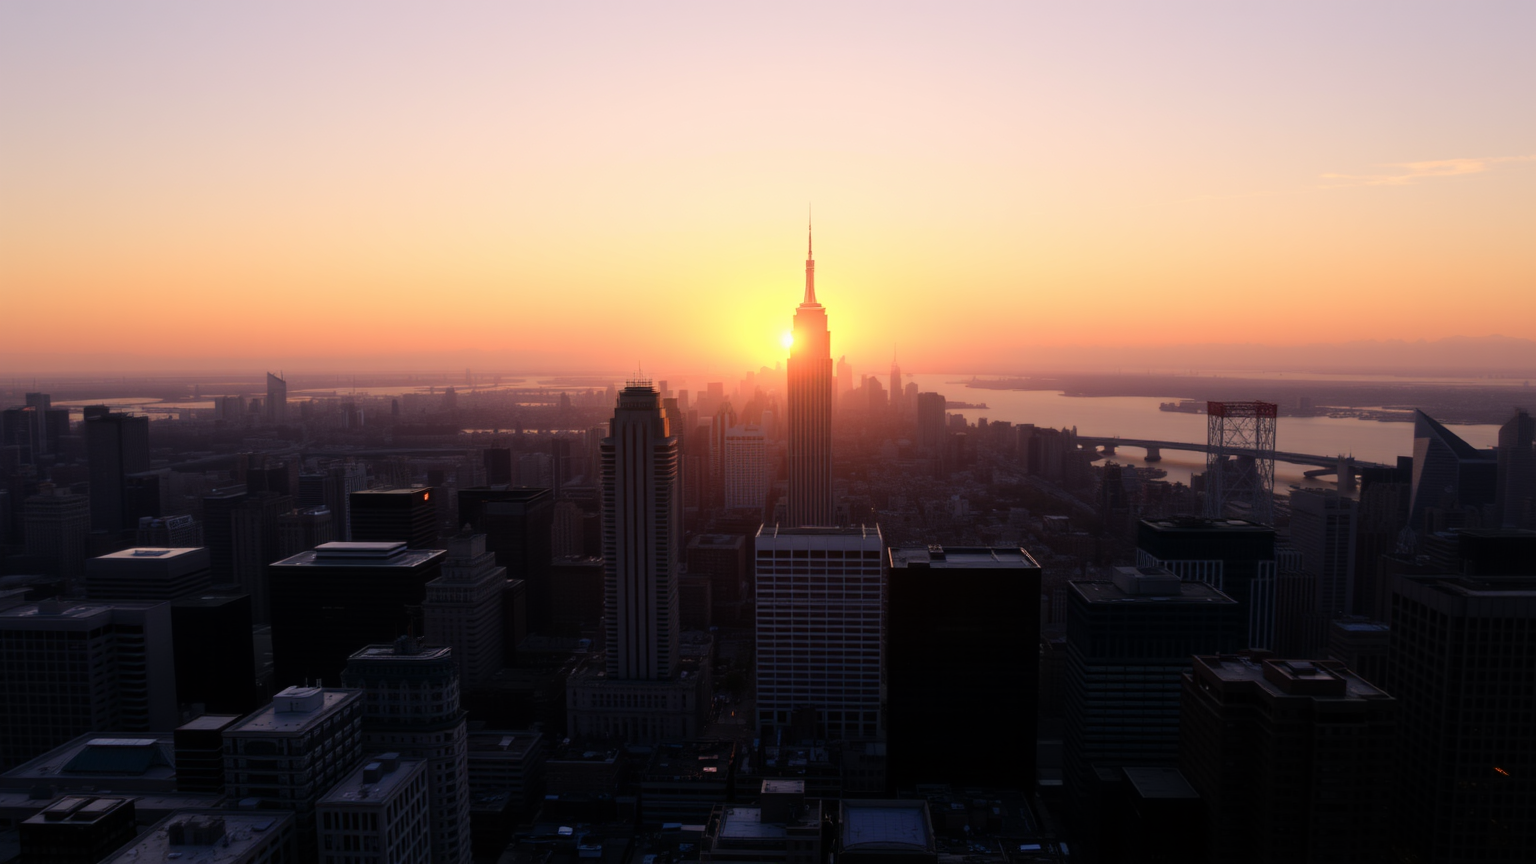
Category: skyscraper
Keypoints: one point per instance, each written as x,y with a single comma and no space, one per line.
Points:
642,527
746,467
463,608
1450,477
810,408
1516,493
117,445
277,400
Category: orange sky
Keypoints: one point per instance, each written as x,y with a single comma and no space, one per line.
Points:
612,184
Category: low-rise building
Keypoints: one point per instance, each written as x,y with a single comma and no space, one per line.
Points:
377,815
784,827
214,837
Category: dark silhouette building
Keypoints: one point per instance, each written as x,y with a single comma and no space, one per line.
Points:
810,409
962,643
518,526
328,602
1462,664
1234,556
215,654
1293,759
1128,642
149,574
1452,480
407,516
1516,481
77,829
116,445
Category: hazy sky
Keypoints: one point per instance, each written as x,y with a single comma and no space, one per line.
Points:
623,183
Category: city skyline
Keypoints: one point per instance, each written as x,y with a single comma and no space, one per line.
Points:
386,180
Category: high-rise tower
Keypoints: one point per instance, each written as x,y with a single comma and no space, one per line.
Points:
810,408
642,524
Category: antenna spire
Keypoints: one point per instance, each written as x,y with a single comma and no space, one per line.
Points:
810,263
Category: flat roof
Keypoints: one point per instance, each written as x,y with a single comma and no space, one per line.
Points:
1193,525
388,652
886,826
355,789
102,758
1235,669
964,558
863,538
243,831
407,491
271,720
320,557
150,553
1160,783
1109,592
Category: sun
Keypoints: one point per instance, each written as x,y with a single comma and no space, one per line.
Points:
787,340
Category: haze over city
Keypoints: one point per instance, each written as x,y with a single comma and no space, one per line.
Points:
352,186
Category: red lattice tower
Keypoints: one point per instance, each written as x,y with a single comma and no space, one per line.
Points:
1240,460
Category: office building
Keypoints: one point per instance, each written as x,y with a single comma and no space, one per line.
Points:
199,753
723,557
746,468
1460,663
116,445
411,709
1323,532
57,525
169,531
286,755
151,575
219,530
1292,759
377,815
1234,556
215,654
332,599
213,837
255,543
821,632
644,693
395,515
1516,481
505,766
642,528
463,609
784,828
1453,482
962,665
930,420
303,528
277,400
810,409
885,832
68,668
77,829
518,524
1129,640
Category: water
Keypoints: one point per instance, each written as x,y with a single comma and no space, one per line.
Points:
1139,417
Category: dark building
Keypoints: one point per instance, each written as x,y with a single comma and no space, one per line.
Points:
219,531
1323,531
116,445
77,829
1516,481
498,466
328,602
200,753
576,592
255,539
1293,759
215,655
153,575
1462,664
1128,642
1453,482
304,528
962,640
406,516
518,527
723,558
1234,556
57,526
1382,515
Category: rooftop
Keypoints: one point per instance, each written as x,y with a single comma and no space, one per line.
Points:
403,649
102,758
1316,679
294,710
964,557
1189,593
155,553
886,826
78,809
378,778
513,744
1192,524
231,835
1160,783
392,554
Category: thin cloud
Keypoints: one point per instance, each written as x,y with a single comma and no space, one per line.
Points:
1409,173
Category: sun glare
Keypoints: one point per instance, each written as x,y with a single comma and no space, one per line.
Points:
787,340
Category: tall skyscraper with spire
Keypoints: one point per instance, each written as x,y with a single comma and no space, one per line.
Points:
810,408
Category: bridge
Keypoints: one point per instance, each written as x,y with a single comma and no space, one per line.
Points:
1345,467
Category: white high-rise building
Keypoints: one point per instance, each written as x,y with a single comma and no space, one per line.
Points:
821,601
746,467
810,409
